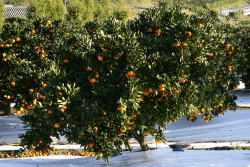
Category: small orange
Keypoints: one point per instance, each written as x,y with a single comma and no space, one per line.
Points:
50,112
91,145
122,130
56,125
183,44
30,90
92,80
209,84
182,80
95,129
89,69
147,133
100,58
150,90
211,54
87,154
122,109
157,140
199,25
62,118
13,83
66,61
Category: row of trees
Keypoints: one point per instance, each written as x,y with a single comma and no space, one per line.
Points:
77,10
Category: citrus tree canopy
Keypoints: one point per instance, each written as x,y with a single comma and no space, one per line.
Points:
102,84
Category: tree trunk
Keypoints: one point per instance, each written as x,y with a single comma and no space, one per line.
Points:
7,109
141,139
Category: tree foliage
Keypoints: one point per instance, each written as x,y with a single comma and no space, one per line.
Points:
2,17
102,84
52,9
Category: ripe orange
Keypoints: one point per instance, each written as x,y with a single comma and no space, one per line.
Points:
202,109
122,109
182,80
100,154
206,120
13,83
91,145
56,125
150,30
209,84
189,33
134,116
13,41
96,76
157,140
7,97
122,130
222,112
130,73
62,118
33,31
129,127
163,95
89,69
95,129
150,90
66,61
50,112
100,58
228,108
87,154
42,56
183,44
211,54
132,122
23,101
18,39
147,133
101,45
64,108
92,80
199,25
30,90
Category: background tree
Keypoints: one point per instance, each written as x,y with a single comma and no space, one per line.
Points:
52,9
121,12
102,10
75,10
14,2
2,9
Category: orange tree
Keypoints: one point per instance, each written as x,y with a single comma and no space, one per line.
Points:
101,85
242,33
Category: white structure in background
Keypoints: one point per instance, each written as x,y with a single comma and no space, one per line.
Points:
245,9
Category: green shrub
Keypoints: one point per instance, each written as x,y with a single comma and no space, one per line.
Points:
121,12
80,10
2,9
52,9
103,10
14,2
74,10
14,19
